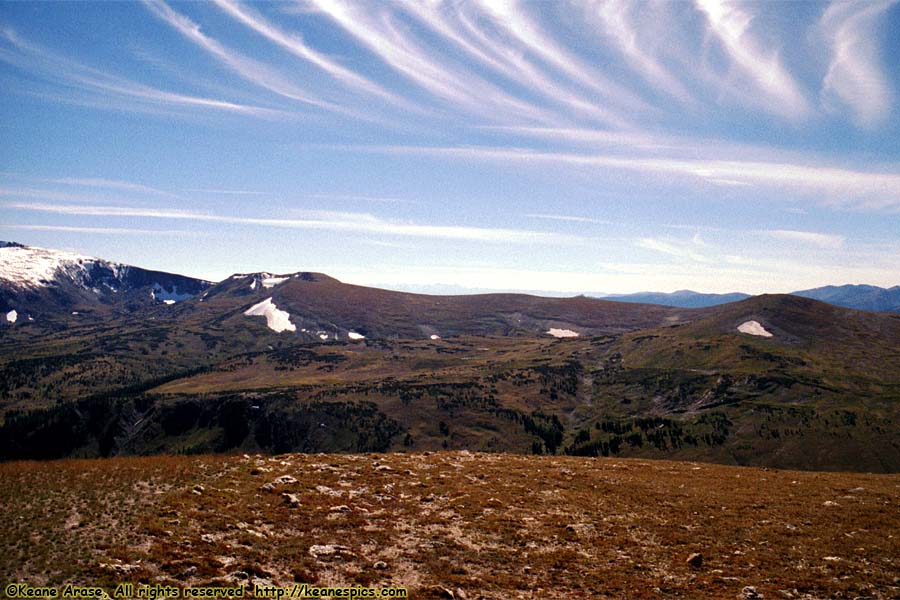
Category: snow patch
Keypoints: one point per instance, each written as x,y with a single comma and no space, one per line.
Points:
434,336
276,320
753,328
562,333
355,336
11,316
270,282
253,285
323,336
160,293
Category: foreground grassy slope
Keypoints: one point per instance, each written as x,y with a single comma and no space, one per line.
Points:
491,526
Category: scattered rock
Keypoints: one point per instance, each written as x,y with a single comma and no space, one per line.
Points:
240,575
695,560
857,490
830,503
380,565
198,489
750,593
284,479
343,508
460,594
120,568
292,500
328,550
189,572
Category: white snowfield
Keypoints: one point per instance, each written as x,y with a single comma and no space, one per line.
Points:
753,328
434,336
11,316
562,333
36,267
276,320
355,336
270,282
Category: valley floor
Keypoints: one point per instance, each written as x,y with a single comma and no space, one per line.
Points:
453,525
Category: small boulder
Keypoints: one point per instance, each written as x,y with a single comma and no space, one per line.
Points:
695,560
750,593
291,500
380,565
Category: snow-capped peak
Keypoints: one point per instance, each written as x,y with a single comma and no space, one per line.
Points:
30,267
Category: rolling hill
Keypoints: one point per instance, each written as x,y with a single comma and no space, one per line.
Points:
303,362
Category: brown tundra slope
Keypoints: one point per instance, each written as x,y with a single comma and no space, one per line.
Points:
454,525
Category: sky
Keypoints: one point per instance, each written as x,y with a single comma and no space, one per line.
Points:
558,147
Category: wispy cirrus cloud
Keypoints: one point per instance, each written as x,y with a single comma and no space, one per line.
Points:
247,68
294,44
35,60
569,218
855,75
822,240
395,45
362,223
730,23
106,230
112,184
842,187
633,29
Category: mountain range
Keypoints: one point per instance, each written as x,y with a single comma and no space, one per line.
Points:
99,359
862,297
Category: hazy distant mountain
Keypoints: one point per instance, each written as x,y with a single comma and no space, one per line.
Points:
861,297
681,298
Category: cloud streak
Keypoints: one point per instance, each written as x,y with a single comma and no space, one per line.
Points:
361,223
849,188
34,59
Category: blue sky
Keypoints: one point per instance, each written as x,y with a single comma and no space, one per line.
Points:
548,146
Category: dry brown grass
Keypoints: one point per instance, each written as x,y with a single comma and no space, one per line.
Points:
493,526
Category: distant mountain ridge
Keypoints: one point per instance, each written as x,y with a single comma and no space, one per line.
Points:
860,297
680,299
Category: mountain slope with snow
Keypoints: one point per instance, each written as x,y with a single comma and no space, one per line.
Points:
40,282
